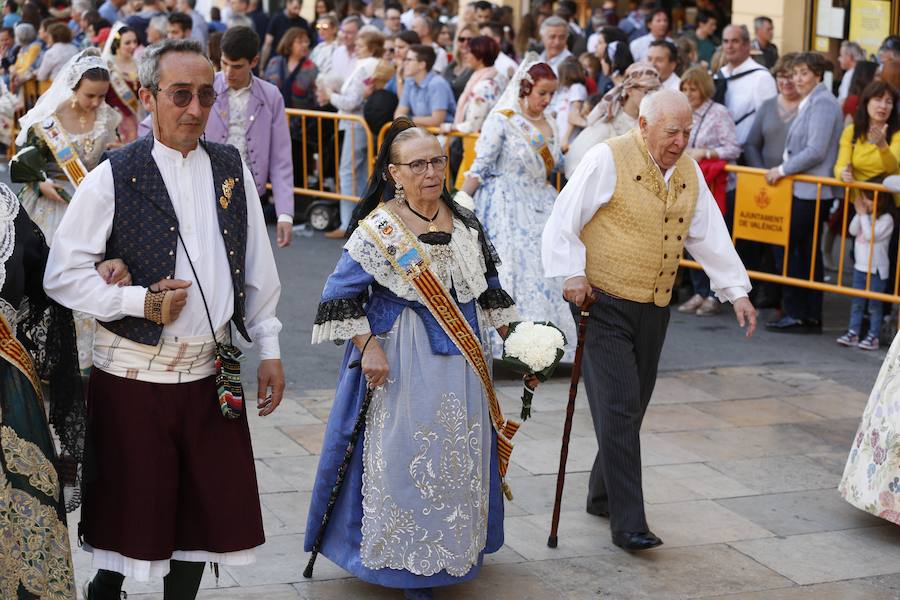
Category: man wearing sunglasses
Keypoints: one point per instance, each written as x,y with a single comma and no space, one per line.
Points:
173,483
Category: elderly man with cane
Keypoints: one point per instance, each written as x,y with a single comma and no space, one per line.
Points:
617,232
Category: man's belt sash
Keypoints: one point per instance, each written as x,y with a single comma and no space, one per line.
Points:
63,151
121,89
13,352
533,137
398,244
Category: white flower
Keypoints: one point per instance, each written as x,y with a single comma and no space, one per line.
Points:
534,344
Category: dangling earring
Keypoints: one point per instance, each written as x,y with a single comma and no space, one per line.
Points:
399,193
74,102
527,105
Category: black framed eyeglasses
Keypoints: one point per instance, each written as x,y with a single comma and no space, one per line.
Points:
463,40
419,166
181,97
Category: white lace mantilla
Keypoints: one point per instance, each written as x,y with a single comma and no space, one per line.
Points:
344,329
9,209
458,265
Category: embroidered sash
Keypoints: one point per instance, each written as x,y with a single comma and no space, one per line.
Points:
13,352
533,137
121,89
406,255
63,151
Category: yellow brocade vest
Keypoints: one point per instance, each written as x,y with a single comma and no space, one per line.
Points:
635,241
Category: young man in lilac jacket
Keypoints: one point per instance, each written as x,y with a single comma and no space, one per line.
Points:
249,115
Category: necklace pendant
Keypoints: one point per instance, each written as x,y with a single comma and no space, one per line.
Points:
432,228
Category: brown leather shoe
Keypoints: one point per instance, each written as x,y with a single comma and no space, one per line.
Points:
337,234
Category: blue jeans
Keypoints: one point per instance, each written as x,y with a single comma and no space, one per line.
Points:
354,169
700,281
858,305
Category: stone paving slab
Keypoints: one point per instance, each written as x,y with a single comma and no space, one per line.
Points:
740,470
829,556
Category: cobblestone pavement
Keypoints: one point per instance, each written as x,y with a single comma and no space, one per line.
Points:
741,467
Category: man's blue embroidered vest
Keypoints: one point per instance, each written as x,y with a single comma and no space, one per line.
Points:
145,227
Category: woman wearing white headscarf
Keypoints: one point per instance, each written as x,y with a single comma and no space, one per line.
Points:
61,139
119,52
616,114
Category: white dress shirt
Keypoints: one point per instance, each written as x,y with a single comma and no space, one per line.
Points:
71,279
407,18
641,46
746,95
505,65
342,63
591,187
322,54
844,89
554,62
672,83
441,60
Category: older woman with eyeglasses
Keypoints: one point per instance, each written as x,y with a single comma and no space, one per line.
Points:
416,291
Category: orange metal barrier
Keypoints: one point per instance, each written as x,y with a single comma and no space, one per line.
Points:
839,286
311,121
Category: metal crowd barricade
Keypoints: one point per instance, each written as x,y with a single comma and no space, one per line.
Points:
839,286
311,121
764,219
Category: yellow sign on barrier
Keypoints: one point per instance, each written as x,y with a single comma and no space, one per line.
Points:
762,213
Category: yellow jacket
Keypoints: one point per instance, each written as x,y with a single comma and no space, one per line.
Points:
866,159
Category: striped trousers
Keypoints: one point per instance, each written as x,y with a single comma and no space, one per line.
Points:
623,342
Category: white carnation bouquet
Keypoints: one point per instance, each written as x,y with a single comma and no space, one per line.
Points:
535,348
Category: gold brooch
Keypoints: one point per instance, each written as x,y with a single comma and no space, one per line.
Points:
227,187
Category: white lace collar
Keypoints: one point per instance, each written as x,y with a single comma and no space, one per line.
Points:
458,265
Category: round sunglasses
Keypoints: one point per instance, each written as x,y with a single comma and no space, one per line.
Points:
182,97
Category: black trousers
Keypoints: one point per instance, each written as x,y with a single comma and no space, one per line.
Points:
802,303
623,342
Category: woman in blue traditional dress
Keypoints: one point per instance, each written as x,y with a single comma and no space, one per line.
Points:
38,363
517,150
421,501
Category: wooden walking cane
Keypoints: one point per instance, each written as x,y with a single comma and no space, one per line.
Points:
567,428
341,472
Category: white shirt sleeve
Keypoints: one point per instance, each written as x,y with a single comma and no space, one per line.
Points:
350,98
591,186
261,283
709,243
71,276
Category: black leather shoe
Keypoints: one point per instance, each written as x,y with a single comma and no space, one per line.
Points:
788,324
598,512
636,540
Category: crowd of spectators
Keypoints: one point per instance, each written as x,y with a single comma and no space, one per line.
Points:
445,66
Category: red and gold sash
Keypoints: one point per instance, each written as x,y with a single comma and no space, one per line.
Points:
533,137
13,352
398,244
121,88
63,151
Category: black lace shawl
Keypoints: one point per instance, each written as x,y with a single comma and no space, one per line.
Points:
47,331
